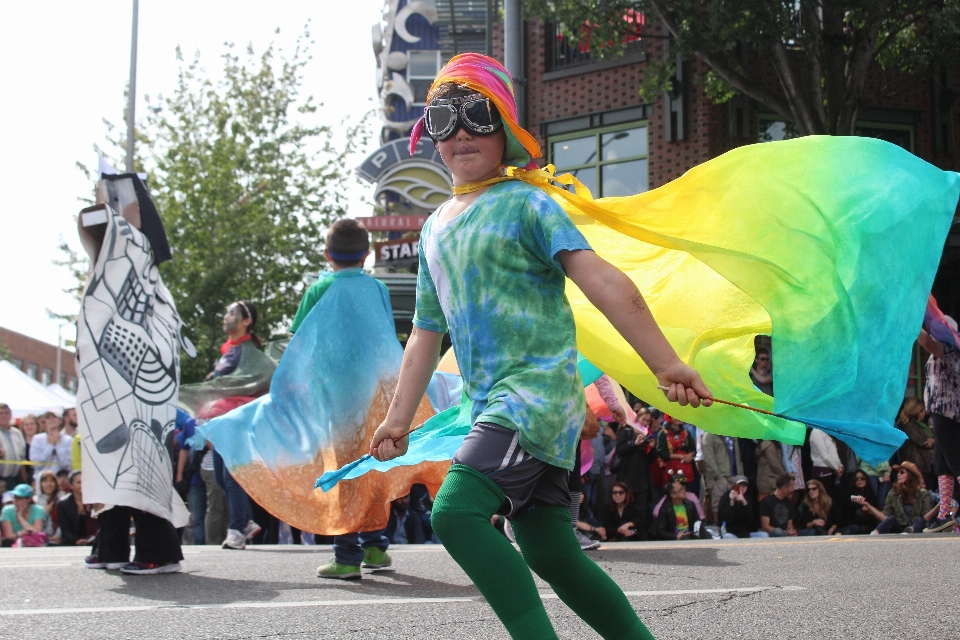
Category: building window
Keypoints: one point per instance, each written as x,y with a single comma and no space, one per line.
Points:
32,370
47,376
73,384
63,380
772,128
422,68
18,363
610,161
563,54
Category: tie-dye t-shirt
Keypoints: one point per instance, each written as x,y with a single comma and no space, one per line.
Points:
492,279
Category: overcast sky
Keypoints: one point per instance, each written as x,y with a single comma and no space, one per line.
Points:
63,69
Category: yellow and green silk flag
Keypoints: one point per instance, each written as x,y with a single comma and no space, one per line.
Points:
827,244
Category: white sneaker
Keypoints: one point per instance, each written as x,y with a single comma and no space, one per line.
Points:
508,531
586,543
235,540
251,530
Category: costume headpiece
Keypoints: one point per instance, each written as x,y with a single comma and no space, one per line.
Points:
485,75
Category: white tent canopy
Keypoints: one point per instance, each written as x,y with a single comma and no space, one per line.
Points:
26,395
69,400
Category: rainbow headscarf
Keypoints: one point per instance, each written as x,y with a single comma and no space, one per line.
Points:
489,78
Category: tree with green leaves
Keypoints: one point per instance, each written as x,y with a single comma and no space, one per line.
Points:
820,51
245,191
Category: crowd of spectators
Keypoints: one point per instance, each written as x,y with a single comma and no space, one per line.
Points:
654,478
755,488
42,494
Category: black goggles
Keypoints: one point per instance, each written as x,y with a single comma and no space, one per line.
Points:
473,112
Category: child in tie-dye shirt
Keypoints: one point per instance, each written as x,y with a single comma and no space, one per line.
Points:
494,261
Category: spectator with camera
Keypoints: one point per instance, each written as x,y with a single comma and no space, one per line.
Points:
735,512
634,453
907,508
52,448
777,515
854,515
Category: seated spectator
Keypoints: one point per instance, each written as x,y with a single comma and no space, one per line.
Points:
22,522
918,447
404,526
622,519
814,515
907,508
692,497
736,512
587,522
777,515
854,517
48,497
769,467
77,527
63,482
879,477
678,519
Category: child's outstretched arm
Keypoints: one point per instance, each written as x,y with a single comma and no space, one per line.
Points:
419,362
617,297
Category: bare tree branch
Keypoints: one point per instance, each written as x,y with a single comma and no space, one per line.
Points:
798,106
859,63
750,89
810,14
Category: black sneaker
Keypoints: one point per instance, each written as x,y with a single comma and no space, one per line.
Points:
941,524
150,568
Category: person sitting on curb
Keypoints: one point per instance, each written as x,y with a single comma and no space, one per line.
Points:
736,513
678,519
777,514
907,508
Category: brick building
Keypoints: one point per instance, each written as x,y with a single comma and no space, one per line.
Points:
591,121
39,360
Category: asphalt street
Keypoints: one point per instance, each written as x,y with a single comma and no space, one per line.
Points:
851,587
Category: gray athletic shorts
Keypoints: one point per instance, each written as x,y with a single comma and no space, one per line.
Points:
495,452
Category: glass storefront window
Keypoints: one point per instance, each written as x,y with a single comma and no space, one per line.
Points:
611,161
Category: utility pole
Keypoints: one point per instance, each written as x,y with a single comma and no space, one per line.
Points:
132,95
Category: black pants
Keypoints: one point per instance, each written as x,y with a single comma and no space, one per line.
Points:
946,446
156,540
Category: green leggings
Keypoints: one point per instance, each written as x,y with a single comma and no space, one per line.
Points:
461,519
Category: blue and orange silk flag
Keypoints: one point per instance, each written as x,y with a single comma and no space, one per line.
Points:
329,393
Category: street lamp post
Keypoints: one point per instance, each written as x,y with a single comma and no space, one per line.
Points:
132,91
56,378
